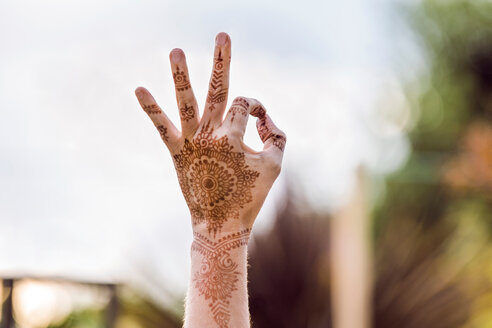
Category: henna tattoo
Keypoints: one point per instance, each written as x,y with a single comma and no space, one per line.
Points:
258,111
151,109
263,130
265,134
218,274
180,80
217,93
239,106
279,141
162,131
187,112
215,180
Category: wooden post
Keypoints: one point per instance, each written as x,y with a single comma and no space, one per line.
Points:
112,309
7,317
351,261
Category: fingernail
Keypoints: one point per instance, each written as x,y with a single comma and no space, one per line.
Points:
139,91
221,39
176,55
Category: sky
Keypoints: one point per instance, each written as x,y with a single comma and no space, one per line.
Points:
88,190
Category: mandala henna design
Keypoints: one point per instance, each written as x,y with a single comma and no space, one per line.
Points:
163,132
218,274
217,93
180,80
151,109
187,112
215,180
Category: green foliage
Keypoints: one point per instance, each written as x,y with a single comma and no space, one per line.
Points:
133,310
455,35
89,318
441,234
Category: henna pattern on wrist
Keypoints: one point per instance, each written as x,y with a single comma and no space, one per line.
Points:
215,180
151,109
218,274
163,132
217,93
180,80
239,106
187,112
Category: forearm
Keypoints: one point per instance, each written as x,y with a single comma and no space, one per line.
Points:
224,183
217,294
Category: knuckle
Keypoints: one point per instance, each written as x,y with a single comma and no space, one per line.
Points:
186,98
279,141
282,134
241,101
258,110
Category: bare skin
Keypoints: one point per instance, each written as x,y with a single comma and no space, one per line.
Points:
224,183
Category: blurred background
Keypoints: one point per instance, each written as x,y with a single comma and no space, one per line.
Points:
382,216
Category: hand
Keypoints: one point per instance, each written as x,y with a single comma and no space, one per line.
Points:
223,181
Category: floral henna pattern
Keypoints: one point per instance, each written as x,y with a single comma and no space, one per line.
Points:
217,93
187,112
215,180
180,80
218,274
163,132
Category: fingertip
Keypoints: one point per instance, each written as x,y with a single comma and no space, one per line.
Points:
140,91
176,55
222,39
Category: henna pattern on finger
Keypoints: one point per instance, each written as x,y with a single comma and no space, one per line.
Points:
279,141
258,111
217,93
162,131
180,80
218,275
187,112
265,133
215,180
239,106
263,130
151,109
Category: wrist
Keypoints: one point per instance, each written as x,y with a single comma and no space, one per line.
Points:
218,228
218,285
226,244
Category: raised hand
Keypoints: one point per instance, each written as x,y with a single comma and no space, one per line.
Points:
224,183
